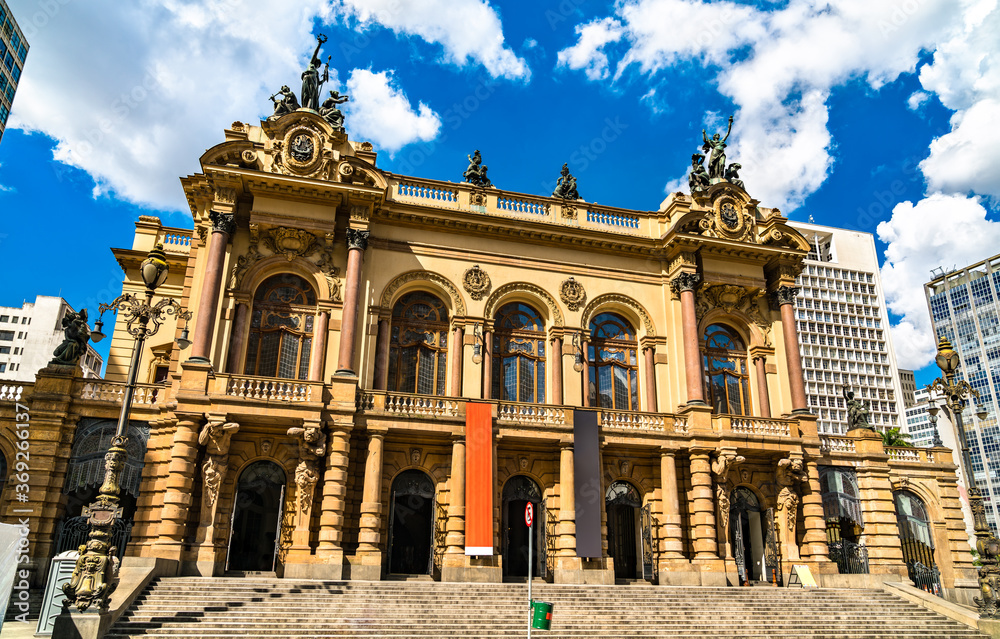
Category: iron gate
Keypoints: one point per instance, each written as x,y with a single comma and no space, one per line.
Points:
72,534
851,558
772,554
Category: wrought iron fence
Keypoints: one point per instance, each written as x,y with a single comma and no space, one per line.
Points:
72,533
926,578
851,558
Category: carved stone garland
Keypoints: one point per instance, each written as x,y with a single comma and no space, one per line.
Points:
292,243
734,300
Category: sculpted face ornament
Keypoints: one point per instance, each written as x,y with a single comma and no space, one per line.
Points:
302,148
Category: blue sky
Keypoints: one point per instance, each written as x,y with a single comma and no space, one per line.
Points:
879,117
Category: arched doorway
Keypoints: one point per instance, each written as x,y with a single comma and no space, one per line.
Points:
622,503
260,498
753,538
411,528
517,493
916,540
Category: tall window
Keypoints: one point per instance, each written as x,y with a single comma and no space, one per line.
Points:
614,369
519,354
281,328
725,359
418,349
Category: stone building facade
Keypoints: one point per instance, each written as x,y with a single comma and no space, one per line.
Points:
385,370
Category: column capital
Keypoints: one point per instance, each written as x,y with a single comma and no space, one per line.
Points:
784,295
357,239
685,282
668,452
223,222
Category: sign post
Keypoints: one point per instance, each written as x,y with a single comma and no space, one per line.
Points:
529,515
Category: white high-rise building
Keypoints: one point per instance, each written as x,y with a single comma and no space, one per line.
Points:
30,333
843,328
965,307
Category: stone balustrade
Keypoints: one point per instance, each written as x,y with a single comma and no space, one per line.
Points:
510,412
268,389
420,405
901,453
114,392
624,420
175,240
829,444
11,393
760,426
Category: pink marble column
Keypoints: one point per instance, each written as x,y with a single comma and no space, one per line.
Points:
785,296
683,286
223,225
760,365
649,355
321,326
381,377
237,339
487,364
357,242
457,360
556,359
585,373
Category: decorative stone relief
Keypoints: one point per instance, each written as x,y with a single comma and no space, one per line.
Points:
301,151
415,455
685,282
225,195
572,294
568,211
292,244
477,197
734,299
224,222
725,460
312,448
265,446
790,474
476,282
357,239
405,278
523,463
731,220
360,212
215,437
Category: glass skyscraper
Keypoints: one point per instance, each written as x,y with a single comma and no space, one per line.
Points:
13,51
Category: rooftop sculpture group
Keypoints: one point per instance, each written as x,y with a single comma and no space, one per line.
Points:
476,173
312,86
715,148
566,185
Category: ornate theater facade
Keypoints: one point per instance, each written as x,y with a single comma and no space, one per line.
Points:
386,370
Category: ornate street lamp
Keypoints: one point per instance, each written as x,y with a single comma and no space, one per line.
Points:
956,393
96,573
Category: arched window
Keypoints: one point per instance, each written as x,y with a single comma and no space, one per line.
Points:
915,538
519,354
281,328
614,372
726,379
418,349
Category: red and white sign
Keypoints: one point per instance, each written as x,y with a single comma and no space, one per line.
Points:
529,514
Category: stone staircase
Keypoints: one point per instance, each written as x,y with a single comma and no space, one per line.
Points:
195,608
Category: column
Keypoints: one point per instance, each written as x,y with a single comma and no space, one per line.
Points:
487,364
331,520
649,355
223,225
371,499
455,537
585,373
785,297
702,505
760,365
178,490
556,357
316,358
673,535
457,360
237,339
566,542
814,540
357,242
381,377
683,286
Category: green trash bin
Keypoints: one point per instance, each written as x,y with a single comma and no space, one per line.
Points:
541,616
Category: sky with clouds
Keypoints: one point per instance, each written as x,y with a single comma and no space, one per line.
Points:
874,116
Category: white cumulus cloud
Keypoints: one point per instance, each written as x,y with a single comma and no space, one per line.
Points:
467,30
588,53
914,249
382,113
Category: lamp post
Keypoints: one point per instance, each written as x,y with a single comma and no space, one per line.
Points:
96,573
956,393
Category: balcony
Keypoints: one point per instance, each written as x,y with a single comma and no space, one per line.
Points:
268,389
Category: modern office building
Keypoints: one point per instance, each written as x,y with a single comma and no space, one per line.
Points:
30,333
908,382
13,51
843,329
964,308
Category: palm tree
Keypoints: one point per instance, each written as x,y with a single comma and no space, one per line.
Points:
894,437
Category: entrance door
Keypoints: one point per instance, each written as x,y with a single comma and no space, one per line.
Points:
256,517
411,530
747,535
517,493
622,503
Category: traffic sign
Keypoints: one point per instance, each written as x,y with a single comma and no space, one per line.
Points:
529,514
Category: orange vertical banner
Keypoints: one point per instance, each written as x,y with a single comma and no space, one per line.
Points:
478,479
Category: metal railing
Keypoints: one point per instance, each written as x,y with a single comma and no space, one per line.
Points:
851,558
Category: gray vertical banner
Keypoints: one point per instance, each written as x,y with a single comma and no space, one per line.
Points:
587,476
